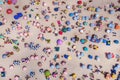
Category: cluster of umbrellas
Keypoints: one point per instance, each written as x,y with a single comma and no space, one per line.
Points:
33,47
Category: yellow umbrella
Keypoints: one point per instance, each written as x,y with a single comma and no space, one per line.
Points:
114,76
69,58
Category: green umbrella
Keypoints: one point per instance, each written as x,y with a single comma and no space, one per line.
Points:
1,36
16,48
47,73
64,29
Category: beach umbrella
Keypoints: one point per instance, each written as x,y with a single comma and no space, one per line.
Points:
97,9
82,66
81,54
57,48
109,55
97,58
85,48
15,41
67,22
90,56
71,14
70,57
83,41
59,42
88,37
47,73
116,41
32,73
14,1
4,56
1,36
111,11
89,66
57,65
64,29
66,56
47,17
73,39
68,29
52,66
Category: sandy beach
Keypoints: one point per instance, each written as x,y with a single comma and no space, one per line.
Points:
38,22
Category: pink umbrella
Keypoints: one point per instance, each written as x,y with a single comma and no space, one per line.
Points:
24,68
36,57
32,57
14,1
11,66
1,69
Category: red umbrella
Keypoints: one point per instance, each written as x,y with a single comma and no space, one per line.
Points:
9,11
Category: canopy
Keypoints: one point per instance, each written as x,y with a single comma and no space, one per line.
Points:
1,36
47,73
59,41
85,48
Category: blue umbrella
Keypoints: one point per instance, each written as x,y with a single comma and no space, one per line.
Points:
47,17
68,29
52,66
97,57
56,9
1,23
90,56
82,66
67,22
89,67
97,9
73,39
86,17
85,48
66,56
116,41
19,14
109,56
111,11
81,54
89,37
32,73
4,56
71,14
92,24
57,65
102,18
83,41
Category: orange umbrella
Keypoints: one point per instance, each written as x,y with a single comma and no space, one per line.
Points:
117,27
